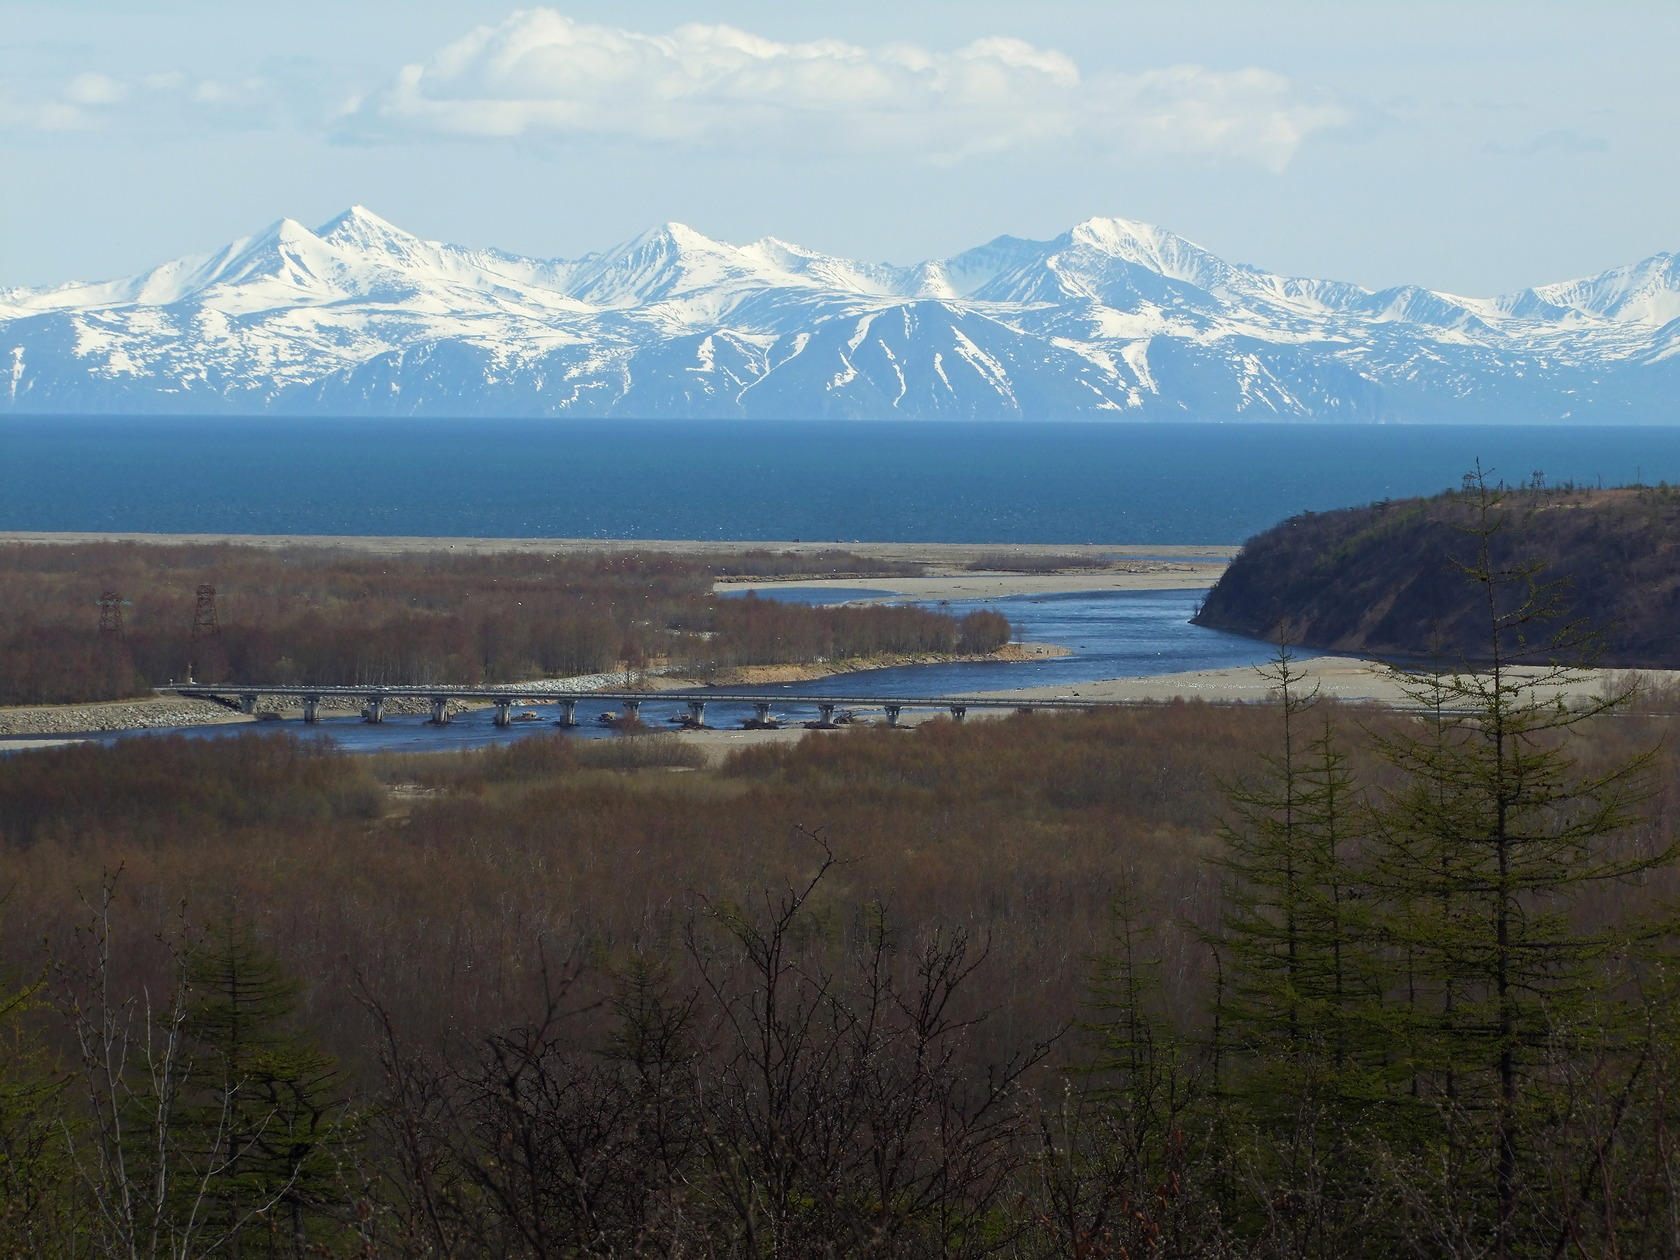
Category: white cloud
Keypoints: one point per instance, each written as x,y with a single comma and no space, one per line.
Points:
539,72
93,89
92,101
1252,114
76,106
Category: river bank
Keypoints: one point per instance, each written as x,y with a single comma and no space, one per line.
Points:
962,583
1341,677
115,715
1348,678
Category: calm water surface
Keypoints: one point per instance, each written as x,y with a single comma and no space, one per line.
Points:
869,481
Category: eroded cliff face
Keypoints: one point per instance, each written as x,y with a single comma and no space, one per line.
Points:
1388,580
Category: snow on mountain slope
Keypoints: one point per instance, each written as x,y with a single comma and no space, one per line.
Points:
357,255
1114,319
1645,292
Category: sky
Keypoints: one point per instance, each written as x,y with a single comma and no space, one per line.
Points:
1476,147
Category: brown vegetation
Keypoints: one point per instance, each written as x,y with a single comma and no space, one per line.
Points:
1013,562
1384,580
1017,829
556,935
808,564
753,631
327,617
1285,980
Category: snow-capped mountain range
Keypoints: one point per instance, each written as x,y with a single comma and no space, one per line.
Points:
1113,320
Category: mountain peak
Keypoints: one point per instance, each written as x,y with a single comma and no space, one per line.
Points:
1646,292
678,236
1149,246
356,214
287,231
1112,230
359,226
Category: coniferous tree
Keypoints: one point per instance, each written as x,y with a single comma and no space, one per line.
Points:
1296,1030
37,1211
1140,1066
264,1111
1485,849
1294,1008
1122,1164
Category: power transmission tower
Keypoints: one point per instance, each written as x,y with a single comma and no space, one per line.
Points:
205,625
110,615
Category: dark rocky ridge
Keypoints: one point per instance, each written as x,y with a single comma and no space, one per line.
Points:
1382,580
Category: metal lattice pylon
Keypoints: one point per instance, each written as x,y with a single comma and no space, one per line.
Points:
110,615
205,624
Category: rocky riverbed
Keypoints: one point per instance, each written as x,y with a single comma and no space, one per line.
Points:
120,715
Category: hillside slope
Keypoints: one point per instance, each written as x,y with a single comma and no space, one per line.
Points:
1381,580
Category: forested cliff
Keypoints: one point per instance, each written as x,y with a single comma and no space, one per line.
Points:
1385,579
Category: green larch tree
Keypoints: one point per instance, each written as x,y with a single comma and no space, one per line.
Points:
1484,849
1296,979
38,1213
263,1106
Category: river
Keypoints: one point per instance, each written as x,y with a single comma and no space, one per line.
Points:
1111,634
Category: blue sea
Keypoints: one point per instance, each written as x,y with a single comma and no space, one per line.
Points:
841,481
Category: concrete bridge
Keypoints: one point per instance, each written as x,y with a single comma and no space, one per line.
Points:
244,697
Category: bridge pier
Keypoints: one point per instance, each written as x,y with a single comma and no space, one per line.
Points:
246,699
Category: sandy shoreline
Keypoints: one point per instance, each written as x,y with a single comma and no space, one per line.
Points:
1174,575
1348,678
1342,677
946,555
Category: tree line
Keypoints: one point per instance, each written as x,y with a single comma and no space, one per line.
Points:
301,616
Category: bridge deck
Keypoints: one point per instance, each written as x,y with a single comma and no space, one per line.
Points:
517,695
